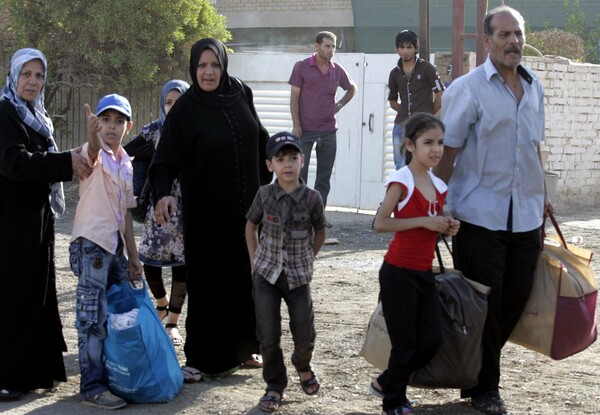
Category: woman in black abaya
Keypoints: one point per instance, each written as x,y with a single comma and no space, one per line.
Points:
213,141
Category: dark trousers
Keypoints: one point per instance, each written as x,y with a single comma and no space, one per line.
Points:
505,261
411,308
267,300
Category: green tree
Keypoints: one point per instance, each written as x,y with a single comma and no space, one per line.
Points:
558,43
576,23
107,42
99,46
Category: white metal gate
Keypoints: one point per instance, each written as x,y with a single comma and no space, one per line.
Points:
364,146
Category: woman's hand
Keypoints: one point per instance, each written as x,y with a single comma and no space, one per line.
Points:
80,166
163,210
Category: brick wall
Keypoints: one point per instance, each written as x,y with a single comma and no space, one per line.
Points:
572,127
572,92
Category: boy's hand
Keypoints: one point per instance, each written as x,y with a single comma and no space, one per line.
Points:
93,122
94,127
136,269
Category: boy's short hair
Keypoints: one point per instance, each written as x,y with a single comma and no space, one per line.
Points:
114,102
407,36
280,140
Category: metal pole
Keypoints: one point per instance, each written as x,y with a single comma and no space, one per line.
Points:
424,29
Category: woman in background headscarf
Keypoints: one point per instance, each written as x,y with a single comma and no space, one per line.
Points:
162,246
214,142
31,172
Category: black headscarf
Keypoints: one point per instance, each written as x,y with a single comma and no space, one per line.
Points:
226,93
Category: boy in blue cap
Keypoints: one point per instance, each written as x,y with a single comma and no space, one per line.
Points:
102,250
293,230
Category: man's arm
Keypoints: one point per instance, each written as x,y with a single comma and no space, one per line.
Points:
295,111
446,165
437,102
346,98
548,209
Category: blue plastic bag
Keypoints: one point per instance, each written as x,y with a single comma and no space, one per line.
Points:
140,360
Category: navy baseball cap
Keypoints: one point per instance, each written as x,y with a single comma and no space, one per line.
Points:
114,102
280,140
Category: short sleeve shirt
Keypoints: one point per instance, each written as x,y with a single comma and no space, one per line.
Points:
415,91
287,233
104,198
317,93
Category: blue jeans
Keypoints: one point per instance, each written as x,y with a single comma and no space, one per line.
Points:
267,300
398,141
326,149
97,270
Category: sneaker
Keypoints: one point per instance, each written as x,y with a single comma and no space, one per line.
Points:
405,409
105,400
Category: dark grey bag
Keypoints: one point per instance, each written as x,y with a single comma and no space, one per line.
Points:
458,360
464,310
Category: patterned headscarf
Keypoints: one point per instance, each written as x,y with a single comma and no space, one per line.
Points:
176,84
38,119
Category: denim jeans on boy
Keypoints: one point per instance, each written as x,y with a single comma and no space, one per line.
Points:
267,300
325,151
97,270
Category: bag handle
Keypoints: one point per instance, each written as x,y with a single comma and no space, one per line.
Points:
438,253
558,231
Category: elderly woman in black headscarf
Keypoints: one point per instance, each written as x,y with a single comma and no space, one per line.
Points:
214,142
31,194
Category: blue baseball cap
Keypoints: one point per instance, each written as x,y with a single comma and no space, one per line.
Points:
280,140
114,102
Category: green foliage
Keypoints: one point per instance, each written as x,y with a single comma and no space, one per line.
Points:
557,42
107,42
577,24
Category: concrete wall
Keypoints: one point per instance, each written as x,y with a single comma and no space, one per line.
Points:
286,13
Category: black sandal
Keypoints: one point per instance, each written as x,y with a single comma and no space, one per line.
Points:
162,308
270,403
308,384
489,403
7,395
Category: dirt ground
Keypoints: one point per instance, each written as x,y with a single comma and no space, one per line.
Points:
344,291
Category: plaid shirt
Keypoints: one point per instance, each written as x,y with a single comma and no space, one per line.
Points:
287,232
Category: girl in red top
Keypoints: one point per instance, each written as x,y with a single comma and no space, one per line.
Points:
408,295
